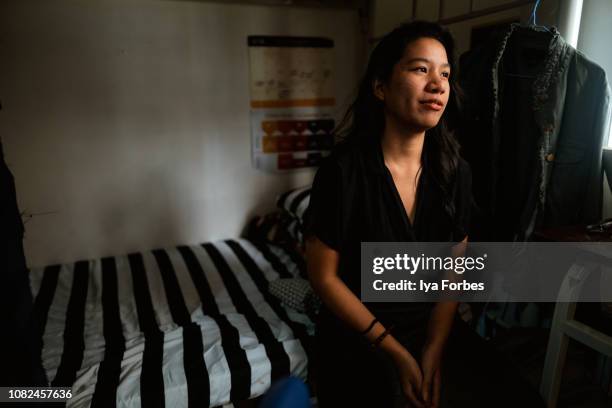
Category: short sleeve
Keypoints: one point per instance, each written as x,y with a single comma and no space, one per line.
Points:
323,218
462,201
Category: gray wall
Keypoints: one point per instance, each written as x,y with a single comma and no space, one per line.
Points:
387,14
128,121
594,41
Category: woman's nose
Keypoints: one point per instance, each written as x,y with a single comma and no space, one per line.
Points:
435,85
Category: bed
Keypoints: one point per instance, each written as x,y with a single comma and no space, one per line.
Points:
177,327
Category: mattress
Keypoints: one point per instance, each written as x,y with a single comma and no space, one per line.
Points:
179,327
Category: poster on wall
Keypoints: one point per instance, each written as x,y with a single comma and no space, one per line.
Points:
292,100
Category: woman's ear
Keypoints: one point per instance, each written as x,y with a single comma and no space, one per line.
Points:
378,89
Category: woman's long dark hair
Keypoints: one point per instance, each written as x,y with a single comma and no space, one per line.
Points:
364,121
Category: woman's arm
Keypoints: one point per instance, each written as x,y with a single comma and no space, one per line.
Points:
438,329
443,313
440,324
323,275
322,264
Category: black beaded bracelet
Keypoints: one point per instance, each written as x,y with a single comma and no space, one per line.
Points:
380,338
366,331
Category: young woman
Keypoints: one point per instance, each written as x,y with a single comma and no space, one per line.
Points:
397,176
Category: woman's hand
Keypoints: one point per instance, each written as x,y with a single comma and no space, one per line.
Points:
430,364
411,378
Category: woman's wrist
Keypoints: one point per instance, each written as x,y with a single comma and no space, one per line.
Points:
381,337
394,349
435,349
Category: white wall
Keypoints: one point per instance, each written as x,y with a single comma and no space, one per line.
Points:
595,31
593,41
128,121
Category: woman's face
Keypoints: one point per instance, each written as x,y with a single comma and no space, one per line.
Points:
417,92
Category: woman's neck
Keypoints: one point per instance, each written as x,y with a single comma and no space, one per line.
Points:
402,148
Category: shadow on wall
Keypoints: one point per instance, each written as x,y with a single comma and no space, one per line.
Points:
146,217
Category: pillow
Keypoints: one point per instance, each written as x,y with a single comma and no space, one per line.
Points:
278,228
297,294
294,203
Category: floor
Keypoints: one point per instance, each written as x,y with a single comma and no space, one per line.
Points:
527,347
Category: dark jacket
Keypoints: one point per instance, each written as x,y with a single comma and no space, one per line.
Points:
19,367
537,118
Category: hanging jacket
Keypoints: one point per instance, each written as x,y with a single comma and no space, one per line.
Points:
19,363
537,117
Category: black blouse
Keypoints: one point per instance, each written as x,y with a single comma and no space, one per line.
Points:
354,200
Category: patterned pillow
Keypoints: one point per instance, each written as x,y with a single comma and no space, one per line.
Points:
295,202
297,294
278,227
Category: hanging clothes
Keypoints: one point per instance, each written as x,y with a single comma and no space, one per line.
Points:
19,367
537,118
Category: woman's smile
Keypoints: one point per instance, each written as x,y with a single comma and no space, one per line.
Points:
433,104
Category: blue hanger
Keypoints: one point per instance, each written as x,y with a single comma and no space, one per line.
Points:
532,18
532,26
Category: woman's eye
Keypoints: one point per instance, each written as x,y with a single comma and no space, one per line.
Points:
446,74
420,69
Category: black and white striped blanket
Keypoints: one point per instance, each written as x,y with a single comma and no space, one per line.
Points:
182,327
